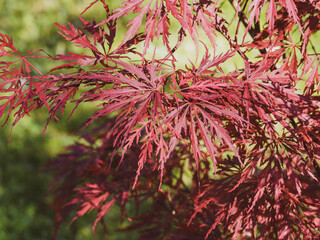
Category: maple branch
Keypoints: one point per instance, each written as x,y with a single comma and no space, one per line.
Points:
259,133
252,31
313,47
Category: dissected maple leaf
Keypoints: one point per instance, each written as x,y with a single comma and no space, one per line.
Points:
216,152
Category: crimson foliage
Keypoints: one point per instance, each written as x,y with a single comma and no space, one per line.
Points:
216,153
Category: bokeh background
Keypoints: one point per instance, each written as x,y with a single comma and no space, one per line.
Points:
25,212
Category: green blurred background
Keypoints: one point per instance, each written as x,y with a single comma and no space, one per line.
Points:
24,206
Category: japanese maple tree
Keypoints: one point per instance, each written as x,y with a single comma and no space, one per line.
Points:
223,146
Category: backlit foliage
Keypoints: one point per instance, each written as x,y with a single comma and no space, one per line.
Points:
223,147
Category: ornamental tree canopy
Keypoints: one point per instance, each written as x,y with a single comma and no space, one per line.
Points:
206,111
